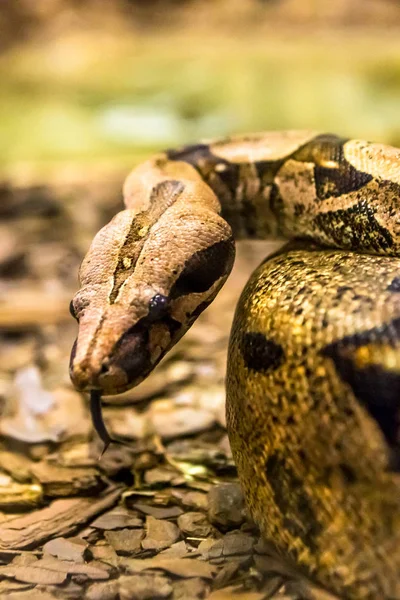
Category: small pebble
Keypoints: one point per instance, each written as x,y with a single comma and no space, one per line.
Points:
226,507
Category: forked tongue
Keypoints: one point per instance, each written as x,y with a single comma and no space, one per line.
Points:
98,422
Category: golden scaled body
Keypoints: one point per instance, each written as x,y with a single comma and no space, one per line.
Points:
314,350
313,382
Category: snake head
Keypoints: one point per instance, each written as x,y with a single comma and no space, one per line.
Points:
144,281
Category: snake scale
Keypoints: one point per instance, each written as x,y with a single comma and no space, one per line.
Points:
313,378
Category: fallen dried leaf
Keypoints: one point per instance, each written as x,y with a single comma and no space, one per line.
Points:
63,566
8,586
61,518
118,518
177,550
190,589
144,587
237,593
104,553
181,567
191,499
42,416
226,574
194,524
68,549
125,541
159,512
233,543
34,574
170,421
108,590
61,481
159,534
32,594
159,475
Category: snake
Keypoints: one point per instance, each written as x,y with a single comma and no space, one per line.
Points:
313,371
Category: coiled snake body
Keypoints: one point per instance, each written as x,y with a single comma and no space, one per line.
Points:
313,382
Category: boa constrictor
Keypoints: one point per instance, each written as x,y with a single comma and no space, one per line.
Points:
313,382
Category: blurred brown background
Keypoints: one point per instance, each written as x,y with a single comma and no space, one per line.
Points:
90,80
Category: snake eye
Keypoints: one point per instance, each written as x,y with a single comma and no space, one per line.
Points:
158,306
204,268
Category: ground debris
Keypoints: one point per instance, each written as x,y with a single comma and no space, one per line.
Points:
16,465
60,518
74,549
159,512
226,507
159,475
36,415
195,524
105,590
118,518
181,567
59,481
191,499
32,594
190,589
33,574
125,541
144,587
237,593
171,420
19,496
105,553
227,574
177,550
71,568
233,543
160,534
8,586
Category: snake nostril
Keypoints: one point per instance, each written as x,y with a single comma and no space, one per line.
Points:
104,369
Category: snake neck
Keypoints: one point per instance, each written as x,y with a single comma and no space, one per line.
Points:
242,173
338,192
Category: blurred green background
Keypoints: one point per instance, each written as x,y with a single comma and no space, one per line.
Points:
101,80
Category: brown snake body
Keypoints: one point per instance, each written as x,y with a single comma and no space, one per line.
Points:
313,382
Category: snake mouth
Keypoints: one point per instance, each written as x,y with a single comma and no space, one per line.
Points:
130,360
126,366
